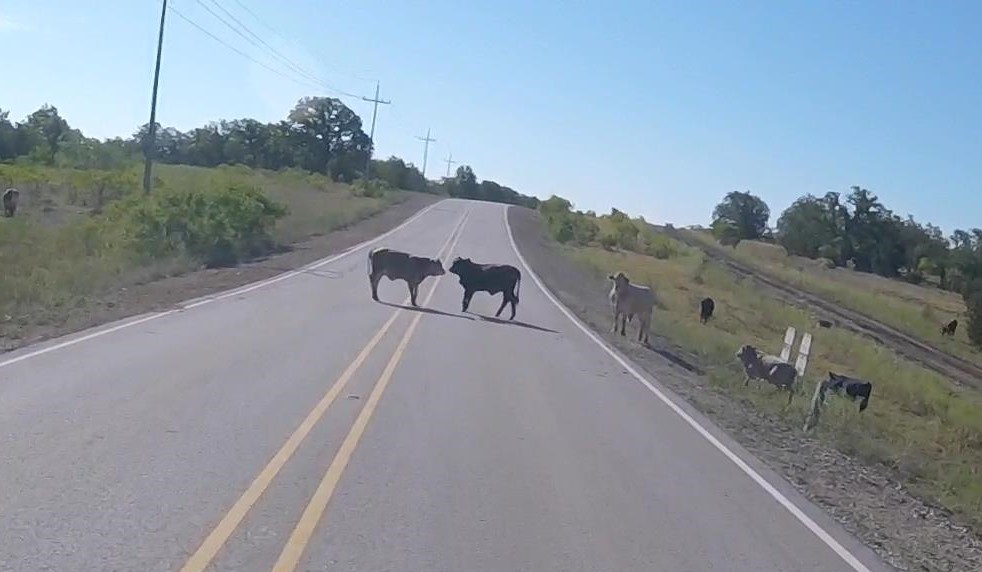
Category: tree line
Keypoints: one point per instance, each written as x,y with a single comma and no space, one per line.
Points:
320,134
858,231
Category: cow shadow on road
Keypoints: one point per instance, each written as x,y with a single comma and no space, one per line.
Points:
425,310
515,323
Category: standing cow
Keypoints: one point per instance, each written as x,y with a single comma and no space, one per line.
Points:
10,199
628,300
706,308
397,265
490,278
949,328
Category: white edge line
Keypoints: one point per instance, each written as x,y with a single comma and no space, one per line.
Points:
814,527
197,302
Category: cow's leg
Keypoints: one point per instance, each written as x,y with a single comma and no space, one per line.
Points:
374,279
614,327
467,300
413,290
623,323
514,307
504,301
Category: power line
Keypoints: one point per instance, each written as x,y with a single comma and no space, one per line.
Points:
270,27
426,148
270,50
238,51
247,38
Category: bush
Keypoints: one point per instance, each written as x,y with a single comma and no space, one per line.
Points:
375,188
608,241
218,227
658,246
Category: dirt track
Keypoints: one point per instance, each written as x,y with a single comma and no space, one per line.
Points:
960,371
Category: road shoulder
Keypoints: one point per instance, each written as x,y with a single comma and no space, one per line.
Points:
865,500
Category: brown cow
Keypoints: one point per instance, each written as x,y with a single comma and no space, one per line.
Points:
397,265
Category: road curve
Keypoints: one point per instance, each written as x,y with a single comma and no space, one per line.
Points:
301,426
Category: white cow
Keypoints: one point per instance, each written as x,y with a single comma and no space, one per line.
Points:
629,300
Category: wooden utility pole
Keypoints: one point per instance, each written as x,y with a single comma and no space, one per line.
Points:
371,136
426,148
449,160
150,143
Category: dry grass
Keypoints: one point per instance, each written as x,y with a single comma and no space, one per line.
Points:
915,310
59,252
918,424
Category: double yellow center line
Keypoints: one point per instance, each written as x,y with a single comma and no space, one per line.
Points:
300,537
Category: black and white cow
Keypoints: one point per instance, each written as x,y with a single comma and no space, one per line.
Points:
853,387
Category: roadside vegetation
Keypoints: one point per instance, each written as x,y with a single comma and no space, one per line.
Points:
223,194
857,252
923,428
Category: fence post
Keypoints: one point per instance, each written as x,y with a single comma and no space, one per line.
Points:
789,336
803,351
815,409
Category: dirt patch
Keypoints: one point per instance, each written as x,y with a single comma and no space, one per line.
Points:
134,299
961,371
869,501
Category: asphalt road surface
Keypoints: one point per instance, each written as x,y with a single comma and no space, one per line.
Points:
298,425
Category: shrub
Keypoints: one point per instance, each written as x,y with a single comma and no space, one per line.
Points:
608,241
218,227
375,188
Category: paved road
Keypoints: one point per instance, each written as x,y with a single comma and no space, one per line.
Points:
301,426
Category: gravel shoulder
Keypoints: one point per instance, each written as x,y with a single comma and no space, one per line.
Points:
869,501
134,299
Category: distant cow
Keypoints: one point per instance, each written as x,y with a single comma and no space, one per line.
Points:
854,388
397,265
490,278
628,300
949,328
10,199
823,323
706,308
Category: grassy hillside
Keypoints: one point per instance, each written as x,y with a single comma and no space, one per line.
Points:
919,424
917,310
80,233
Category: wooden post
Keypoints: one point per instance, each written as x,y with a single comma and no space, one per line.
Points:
803,351
815,409
789,336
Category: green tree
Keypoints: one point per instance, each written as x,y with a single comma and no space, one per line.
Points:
745,213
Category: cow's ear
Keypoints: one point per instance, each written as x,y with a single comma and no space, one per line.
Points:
610,277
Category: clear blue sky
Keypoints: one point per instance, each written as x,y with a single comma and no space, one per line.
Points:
657,108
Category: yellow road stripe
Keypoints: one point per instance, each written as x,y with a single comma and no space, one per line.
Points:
227,526
300,537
